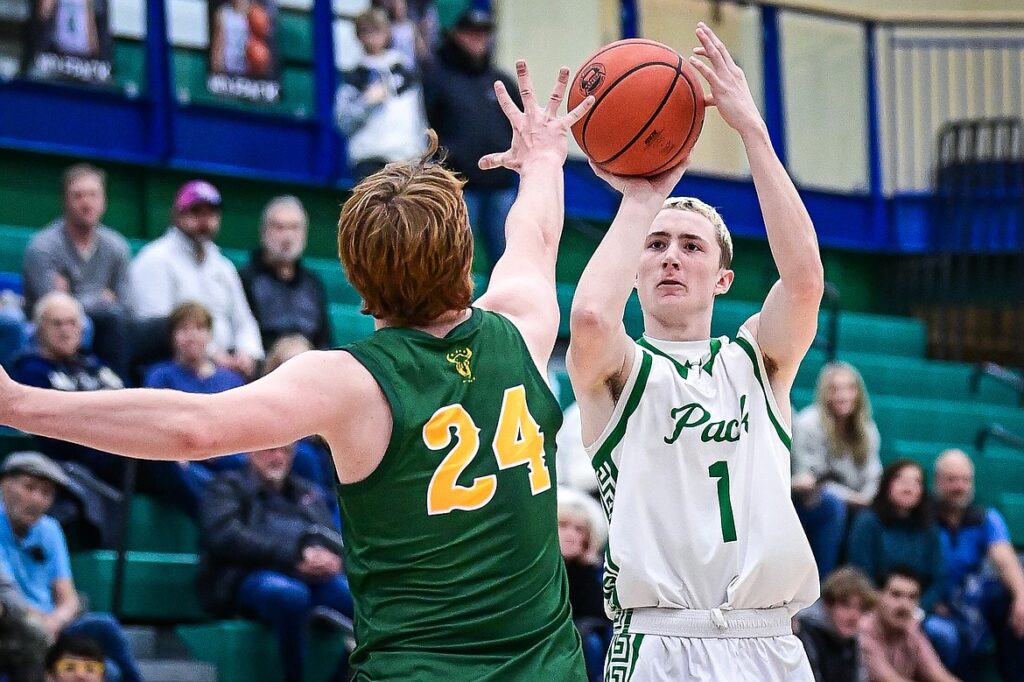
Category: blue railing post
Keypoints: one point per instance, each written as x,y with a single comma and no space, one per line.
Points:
328,165
630,17
879,215
159,85
774,102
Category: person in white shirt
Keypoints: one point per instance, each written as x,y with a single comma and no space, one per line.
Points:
185,265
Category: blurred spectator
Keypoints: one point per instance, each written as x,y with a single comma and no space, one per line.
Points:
285,297
75,658
891,641
313,460
22,640
984,604
835,460
379,105
406,36
574,468
13,327
78,255
269,551
581,537
828,629
59,363
462,108
191,371
33,546
185,265
899,530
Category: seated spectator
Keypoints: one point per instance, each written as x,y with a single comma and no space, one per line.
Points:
59,363
185,265
32,544
75,658
191,371
406,36
574,468
379,105
313,460
835,460
581,538
22,639
986,605
899,530
828,629
891,641
14,329
269,551
78,255
285,297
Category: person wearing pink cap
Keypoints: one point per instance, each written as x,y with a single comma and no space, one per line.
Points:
185,265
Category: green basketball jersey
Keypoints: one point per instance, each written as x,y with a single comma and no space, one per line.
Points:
452,542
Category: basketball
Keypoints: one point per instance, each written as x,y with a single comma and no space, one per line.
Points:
259,22
649,107
257,57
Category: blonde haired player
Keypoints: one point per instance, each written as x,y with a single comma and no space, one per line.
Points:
706,560
440,422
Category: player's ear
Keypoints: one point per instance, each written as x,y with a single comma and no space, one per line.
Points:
724,283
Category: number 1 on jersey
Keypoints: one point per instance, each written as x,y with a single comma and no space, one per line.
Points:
720,470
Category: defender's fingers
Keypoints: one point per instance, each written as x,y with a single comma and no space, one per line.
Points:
506,102
525,85
580,111
558,94
492,161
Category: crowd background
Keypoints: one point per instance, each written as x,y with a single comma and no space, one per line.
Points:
905,466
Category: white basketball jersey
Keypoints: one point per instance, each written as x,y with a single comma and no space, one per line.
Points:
71,27
693,469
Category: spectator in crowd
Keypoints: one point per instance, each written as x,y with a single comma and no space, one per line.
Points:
285,297
574,468
313,460
983,603
78,255
891,641
828,629
185,265
899,530
191,371
75,658
22,639
32,544
379,105
59,363
836,465
581,537
269,551
461,107
406,33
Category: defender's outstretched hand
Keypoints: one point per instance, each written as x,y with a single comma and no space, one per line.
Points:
729,89
537,131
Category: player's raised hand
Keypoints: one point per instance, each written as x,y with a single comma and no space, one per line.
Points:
537,132
655,188
729,89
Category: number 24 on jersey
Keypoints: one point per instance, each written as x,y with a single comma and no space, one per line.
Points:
517,440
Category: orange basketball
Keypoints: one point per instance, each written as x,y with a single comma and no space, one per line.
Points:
259,22
649,109
257,58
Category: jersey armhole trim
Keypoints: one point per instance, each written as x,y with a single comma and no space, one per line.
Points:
533,368
624,408
746,341
397,424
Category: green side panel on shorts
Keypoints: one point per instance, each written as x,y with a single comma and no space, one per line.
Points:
457,595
